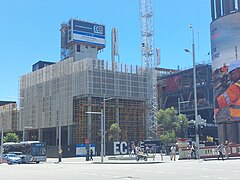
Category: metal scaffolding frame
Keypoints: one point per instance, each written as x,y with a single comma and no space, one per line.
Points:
49,93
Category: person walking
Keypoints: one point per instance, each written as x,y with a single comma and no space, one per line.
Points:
91,155
173,153
220,151
59,155
193,152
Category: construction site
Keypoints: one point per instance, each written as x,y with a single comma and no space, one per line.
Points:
176,90
65,103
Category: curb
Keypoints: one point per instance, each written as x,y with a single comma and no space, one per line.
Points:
132,162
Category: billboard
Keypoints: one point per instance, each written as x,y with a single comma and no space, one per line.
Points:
225,45
87,33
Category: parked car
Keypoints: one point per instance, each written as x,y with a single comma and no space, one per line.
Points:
21,155
11,159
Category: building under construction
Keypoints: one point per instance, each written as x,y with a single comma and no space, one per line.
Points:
63,100
9,116
175,89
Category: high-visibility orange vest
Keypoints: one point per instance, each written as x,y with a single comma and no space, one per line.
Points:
231,98
235,107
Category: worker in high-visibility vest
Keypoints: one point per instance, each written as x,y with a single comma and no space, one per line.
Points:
231,97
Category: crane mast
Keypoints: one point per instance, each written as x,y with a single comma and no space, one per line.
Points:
149,63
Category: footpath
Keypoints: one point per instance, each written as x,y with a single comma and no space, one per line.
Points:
118,159
125,159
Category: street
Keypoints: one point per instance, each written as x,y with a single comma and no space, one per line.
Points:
78,168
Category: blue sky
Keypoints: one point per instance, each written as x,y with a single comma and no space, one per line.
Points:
29,32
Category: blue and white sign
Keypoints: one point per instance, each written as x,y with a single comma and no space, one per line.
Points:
88,33
81,149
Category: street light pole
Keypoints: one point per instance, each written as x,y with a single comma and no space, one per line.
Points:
102,135
104,123
195,89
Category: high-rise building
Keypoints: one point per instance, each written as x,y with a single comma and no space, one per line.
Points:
225,44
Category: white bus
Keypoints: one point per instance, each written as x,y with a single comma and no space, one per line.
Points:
29,151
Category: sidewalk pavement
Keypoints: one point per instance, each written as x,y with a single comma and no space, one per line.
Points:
117,160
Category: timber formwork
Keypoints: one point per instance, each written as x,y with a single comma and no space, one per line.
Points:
129,114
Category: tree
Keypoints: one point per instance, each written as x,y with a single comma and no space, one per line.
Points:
114,132
171,125
168,137
11,137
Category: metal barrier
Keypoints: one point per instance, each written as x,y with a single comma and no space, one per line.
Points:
209,152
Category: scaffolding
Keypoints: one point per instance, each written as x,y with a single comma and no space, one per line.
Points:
62,93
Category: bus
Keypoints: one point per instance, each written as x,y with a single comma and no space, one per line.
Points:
29,151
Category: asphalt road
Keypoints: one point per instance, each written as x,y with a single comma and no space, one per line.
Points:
78,168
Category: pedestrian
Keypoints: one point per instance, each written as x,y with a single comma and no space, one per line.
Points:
133,152
147,150
59,155
91,155
193,152
220,151
137,150
227,150
173,153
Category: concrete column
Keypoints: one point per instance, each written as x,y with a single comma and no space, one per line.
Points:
57,130
232,132
89,121
221,132
117,114
70,135
40,135
237,131
225,134
117,110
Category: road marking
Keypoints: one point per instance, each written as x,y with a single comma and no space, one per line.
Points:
236,171
159,171
222,178
104,175
205,176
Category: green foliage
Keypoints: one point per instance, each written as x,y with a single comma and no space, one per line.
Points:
114,132
168,137
11,137
171,125
166,119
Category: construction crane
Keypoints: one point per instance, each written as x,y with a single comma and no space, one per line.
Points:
149,63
